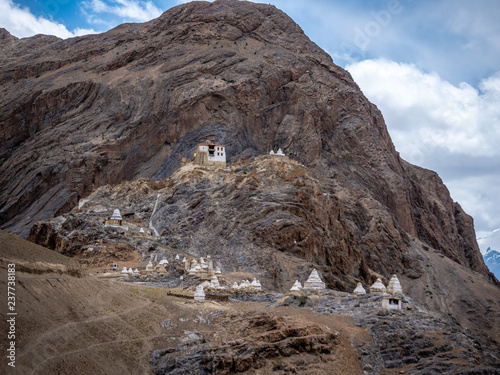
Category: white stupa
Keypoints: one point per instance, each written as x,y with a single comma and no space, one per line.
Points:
271,153
205,284
130,271
149,267
116,215
194,268
314,281
124,271
235,286
199,295
184,260
177,257
217,270
378,287
136,272
359,291
195,265
141,230
214,283
394,288
163,261
296,286
244,284
280,152
255,284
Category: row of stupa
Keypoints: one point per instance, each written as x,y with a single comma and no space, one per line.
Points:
314,282
394,288
126,272
150,267
200,267
278,153
245,285
391,295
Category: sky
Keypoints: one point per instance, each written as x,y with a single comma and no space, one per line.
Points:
431,66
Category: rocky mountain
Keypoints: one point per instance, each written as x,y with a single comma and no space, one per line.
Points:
492,260
84,112
99,122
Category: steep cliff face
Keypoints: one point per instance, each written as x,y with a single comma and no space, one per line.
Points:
268,217
80,113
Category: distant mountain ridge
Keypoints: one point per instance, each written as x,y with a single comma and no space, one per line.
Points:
492,261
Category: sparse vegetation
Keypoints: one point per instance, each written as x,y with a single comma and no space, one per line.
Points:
277,364
302,300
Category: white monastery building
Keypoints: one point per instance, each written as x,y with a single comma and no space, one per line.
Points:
210,154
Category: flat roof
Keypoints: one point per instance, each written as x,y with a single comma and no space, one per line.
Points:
210,144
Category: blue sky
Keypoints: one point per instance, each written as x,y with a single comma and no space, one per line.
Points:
431,66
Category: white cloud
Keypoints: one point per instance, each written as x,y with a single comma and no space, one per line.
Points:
128,10
454,130
424,111
22,23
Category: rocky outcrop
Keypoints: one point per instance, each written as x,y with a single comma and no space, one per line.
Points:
132,102
413,338
261,341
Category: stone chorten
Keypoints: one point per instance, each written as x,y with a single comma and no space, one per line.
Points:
116,220
297,286
245,284
116,215
394,288
199,295
314,281
359,291
214,283
255,284
378,287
